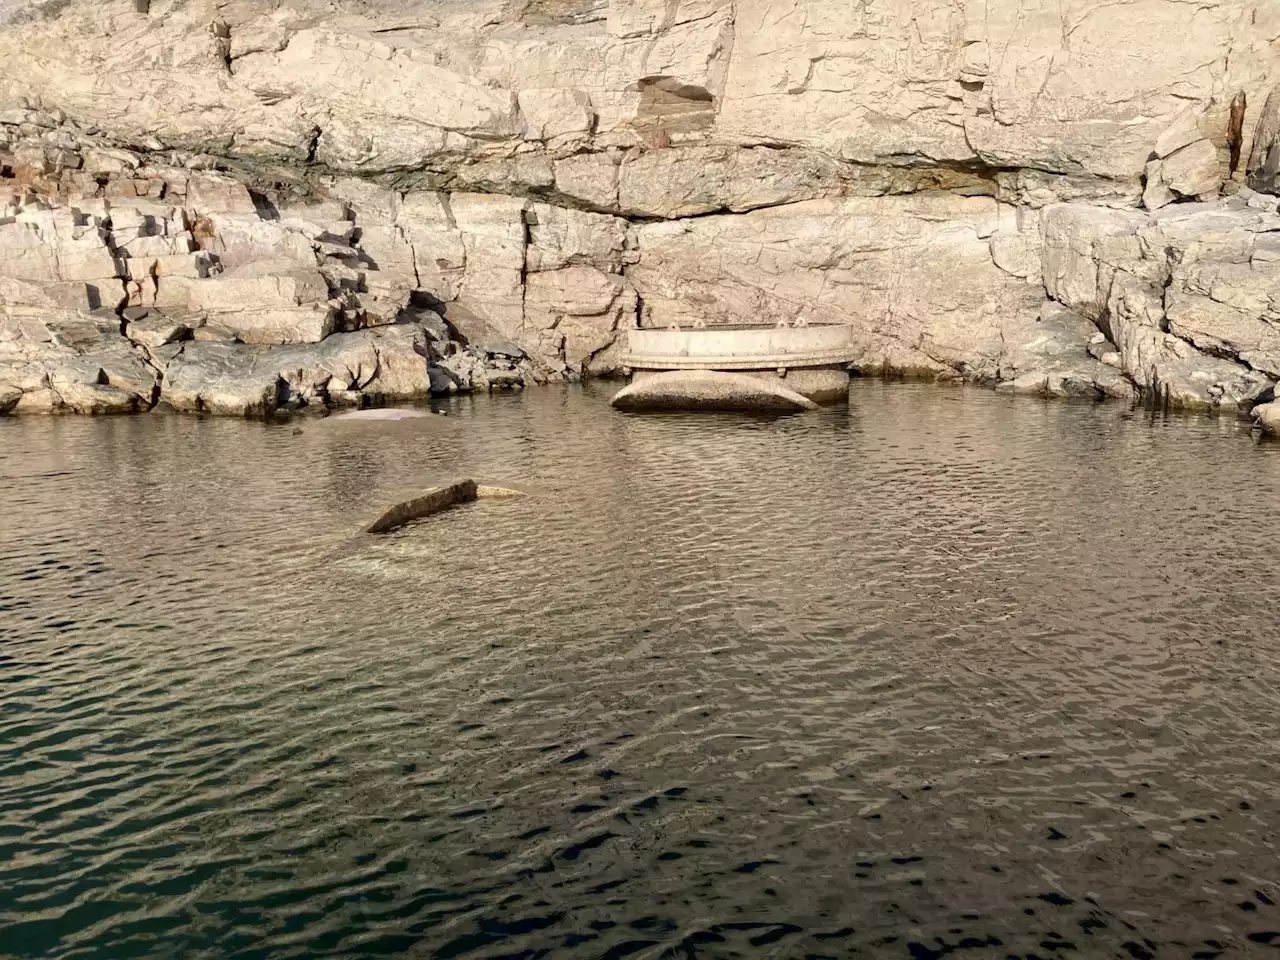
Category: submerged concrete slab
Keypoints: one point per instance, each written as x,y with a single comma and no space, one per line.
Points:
384,413
434,501
710,390
484,492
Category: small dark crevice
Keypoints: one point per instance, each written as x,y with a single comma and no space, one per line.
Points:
526,242
1235,130
282,394
264,206
406,28
221,31
446,205
156,388
426,300
313,144
1172,259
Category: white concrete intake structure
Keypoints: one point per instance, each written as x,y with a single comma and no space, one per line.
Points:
737,367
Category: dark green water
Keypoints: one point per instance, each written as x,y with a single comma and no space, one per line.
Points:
941,672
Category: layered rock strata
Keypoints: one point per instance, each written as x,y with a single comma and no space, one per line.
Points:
244,205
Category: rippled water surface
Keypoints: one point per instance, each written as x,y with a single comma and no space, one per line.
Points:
940,672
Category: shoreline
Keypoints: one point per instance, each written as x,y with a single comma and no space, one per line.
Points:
236,233
449,407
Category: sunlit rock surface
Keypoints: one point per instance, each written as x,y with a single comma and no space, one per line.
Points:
259,176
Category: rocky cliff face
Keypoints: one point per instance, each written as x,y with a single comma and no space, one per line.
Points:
234,205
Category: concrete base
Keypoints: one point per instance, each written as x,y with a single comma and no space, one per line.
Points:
710,390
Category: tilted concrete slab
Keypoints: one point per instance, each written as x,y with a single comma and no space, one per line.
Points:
434,501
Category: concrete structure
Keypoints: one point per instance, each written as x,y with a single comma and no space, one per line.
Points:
739,348
435,501
806,362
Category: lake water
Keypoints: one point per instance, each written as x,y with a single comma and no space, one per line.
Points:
940,671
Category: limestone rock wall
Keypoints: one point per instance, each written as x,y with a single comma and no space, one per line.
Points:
268,203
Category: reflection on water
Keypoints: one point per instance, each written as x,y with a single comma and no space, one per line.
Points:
941,671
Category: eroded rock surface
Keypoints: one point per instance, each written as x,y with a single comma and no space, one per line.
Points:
252,201
1186,295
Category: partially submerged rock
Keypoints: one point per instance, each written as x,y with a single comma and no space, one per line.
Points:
710,390
1267,416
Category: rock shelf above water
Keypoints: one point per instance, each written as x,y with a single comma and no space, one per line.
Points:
245,207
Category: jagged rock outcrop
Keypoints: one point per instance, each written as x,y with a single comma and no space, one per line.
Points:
1042,357
58,361
279,189
1186,294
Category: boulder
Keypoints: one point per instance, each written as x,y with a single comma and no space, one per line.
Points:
246,239
710,390
1048,354
1196,170
1184,294
1267,416
215,193
1228,309
1071,262
49,246
475,369
9,397
377,365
